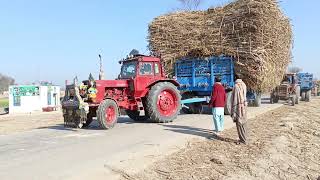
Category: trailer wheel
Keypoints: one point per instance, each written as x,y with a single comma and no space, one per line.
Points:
257,100
297,95
272,98
163,102
303,96
293,100
193,108
108,113
189,109
135,115
227,107
308,95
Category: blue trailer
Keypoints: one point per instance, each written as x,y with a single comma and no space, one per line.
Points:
305,81
196,78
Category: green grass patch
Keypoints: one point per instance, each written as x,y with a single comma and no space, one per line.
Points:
4,102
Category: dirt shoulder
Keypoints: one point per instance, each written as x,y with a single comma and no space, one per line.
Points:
22,122
284,144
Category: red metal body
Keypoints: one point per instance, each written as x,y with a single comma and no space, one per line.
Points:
128,92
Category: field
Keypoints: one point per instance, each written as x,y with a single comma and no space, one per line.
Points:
284,144
4,102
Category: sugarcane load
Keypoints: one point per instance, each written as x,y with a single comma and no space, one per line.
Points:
254,32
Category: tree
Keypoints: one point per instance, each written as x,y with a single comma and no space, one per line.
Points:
5,82
294,69
190,5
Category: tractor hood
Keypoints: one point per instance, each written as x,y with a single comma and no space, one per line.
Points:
112,83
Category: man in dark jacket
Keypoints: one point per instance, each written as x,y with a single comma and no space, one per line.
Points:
217,102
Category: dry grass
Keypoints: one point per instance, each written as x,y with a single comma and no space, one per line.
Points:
284,144
254,32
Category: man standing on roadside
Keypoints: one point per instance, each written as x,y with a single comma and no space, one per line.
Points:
217,102
239,108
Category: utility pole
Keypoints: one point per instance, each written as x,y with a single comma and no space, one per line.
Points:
101,72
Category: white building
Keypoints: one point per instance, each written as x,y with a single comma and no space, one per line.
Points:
31,98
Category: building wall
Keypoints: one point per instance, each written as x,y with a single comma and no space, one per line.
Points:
48,96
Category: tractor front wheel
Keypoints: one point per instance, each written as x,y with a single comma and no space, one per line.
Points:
163,102
108,113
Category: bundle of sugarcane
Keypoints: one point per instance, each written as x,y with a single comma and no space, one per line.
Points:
254,32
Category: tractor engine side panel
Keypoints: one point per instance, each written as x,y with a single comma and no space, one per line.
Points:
122,96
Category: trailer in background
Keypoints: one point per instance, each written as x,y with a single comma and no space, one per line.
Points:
305,81
196,78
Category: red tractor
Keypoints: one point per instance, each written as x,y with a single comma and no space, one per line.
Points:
289,89
141,89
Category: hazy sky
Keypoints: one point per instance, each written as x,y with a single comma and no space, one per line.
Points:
55,40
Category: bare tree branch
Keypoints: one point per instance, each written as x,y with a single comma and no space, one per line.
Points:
294,69
190,5
5,81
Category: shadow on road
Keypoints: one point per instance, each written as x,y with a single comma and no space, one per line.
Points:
57,127
206,133
93,126
189,130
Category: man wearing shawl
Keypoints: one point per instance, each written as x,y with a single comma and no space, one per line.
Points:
239,108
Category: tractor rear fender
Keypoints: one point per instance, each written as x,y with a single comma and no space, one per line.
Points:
174,82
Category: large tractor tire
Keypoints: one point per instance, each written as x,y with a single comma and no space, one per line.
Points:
303,95
108,113
297,95
135,115
163,102
308,96
227,107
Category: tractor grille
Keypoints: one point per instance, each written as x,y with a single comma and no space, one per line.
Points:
283,90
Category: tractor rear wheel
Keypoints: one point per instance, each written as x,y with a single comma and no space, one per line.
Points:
163,102
108,113
227,107
135,115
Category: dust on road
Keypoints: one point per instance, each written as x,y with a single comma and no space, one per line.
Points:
284,144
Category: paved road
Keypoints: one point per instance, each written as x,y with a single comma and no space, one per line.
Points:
59,153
